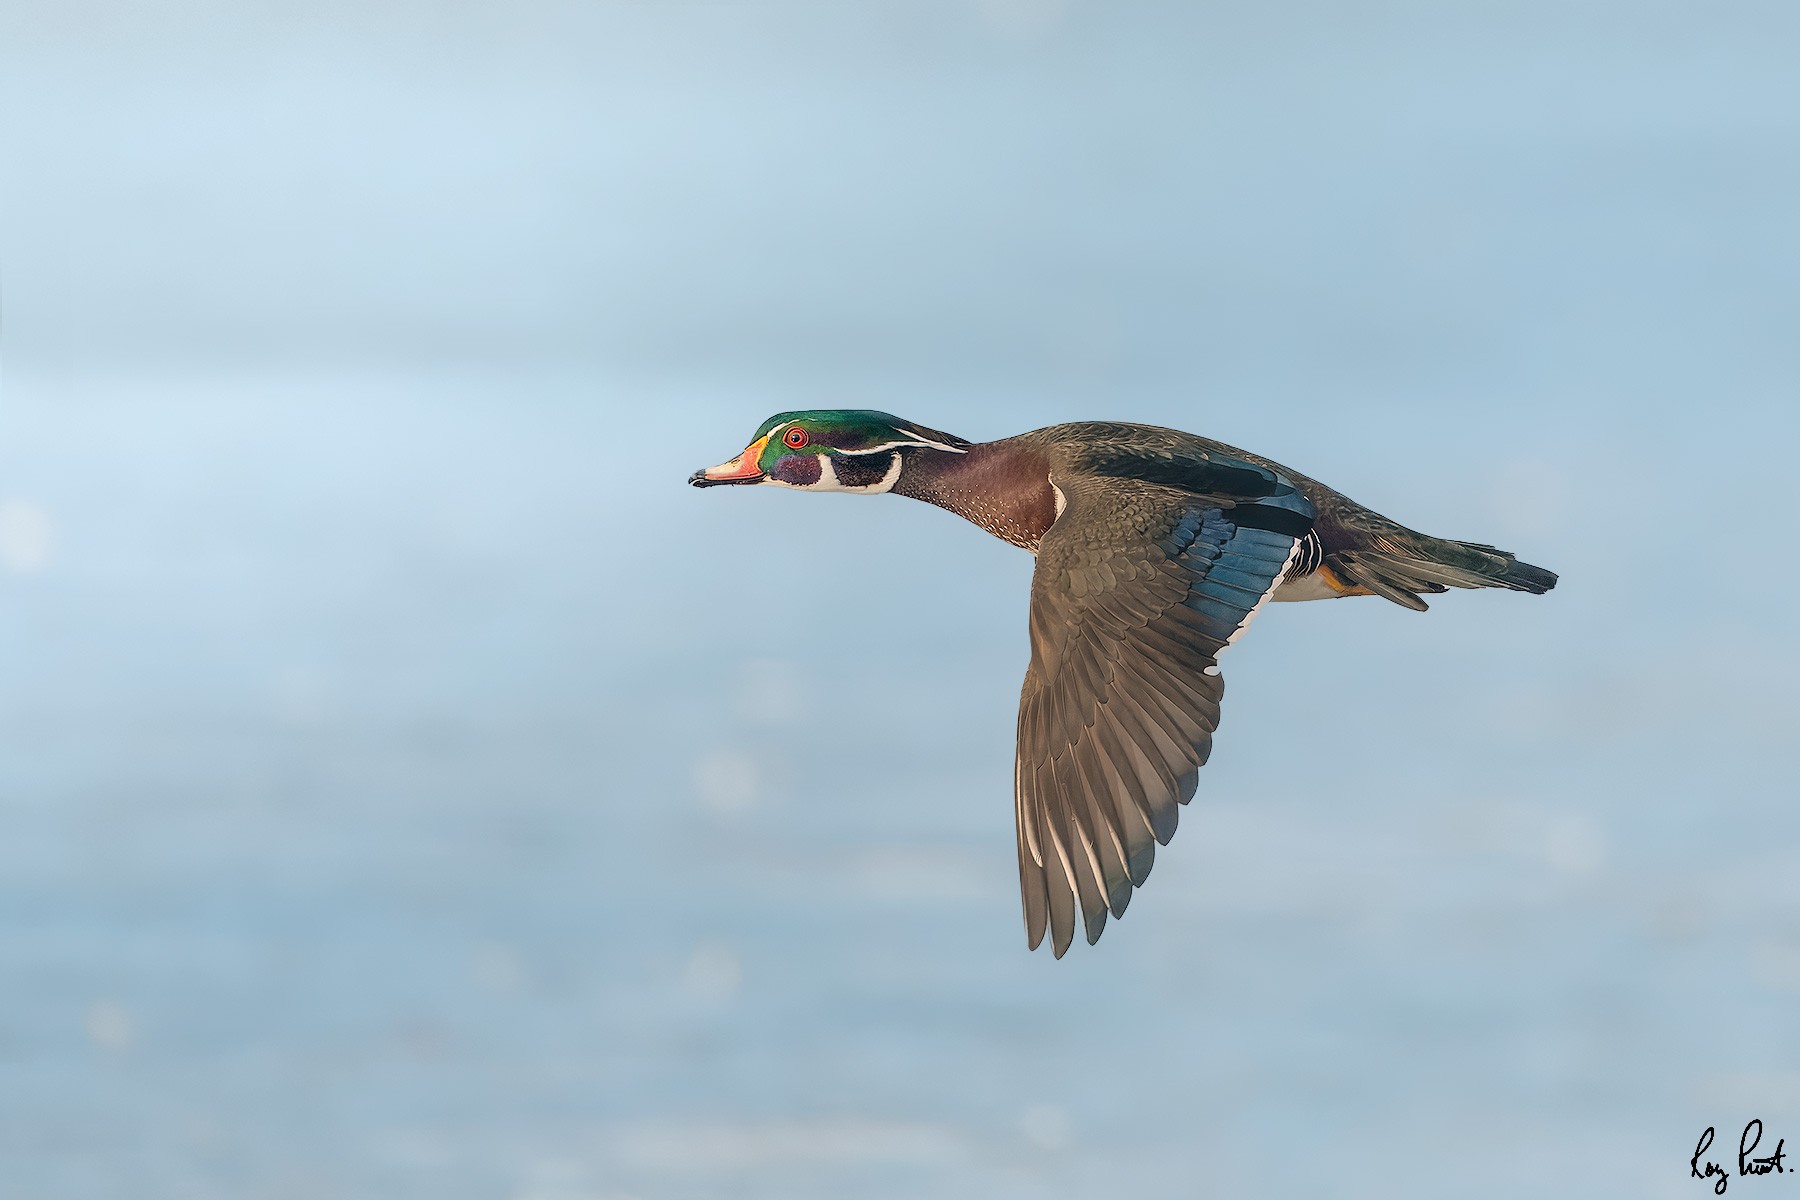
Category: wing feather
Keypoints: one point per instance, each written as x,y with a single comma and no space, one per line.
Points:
1139,586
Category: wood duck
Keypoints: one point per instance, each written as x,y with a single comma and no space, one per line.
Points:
1154,550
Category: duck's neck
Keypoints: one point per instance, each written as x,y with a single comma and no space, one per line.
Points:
1001,486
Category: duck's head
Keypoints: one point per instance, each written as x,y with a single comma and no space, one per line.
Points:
829,450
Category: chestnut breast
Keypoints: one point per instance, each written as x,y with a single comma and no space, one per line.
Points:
1001,486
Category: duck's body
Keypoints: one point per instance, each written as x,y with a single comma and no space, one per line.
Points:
1006,487
1155,549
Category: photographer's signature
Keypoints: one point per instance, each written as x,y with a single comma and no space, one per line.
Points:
1747,1162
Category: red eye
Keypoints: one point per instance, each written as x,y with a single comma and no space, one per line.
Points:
795,437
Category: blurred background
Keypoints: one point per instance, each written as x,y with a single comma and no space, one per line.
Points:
410,788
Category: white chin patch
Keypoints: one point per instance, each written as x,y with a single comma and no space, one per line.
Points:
828,480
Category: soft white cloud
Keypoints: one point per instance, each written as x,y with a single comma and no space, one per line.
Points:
110,1025
498,968
26,537
770,692
1047,1126
714,972
718,1148
726,780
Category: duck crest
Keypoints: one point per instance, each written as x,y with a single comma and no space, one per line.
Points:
1003,487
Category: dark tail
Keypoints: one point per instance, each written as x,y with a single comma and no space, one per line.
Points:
1399,564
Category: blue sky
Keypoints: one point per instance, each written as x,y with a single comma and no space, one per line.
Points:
410,787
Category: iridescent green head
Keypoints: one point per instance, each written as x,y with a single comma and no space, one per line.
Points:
829,450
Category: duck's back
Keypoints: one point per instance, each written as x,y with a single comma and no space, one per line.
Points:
1349,549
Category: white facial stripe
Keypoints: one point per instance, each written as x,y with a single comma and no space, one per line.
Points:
925,441
876,449
828,479
892,445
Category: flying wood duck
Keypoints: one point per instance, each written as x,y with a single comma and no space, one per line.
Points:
1154,549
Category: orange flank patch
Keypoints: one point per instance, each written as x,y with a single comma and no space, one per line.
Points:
1335,582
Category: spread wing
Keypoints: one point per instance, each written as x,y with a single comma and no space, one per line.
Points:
1139,586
